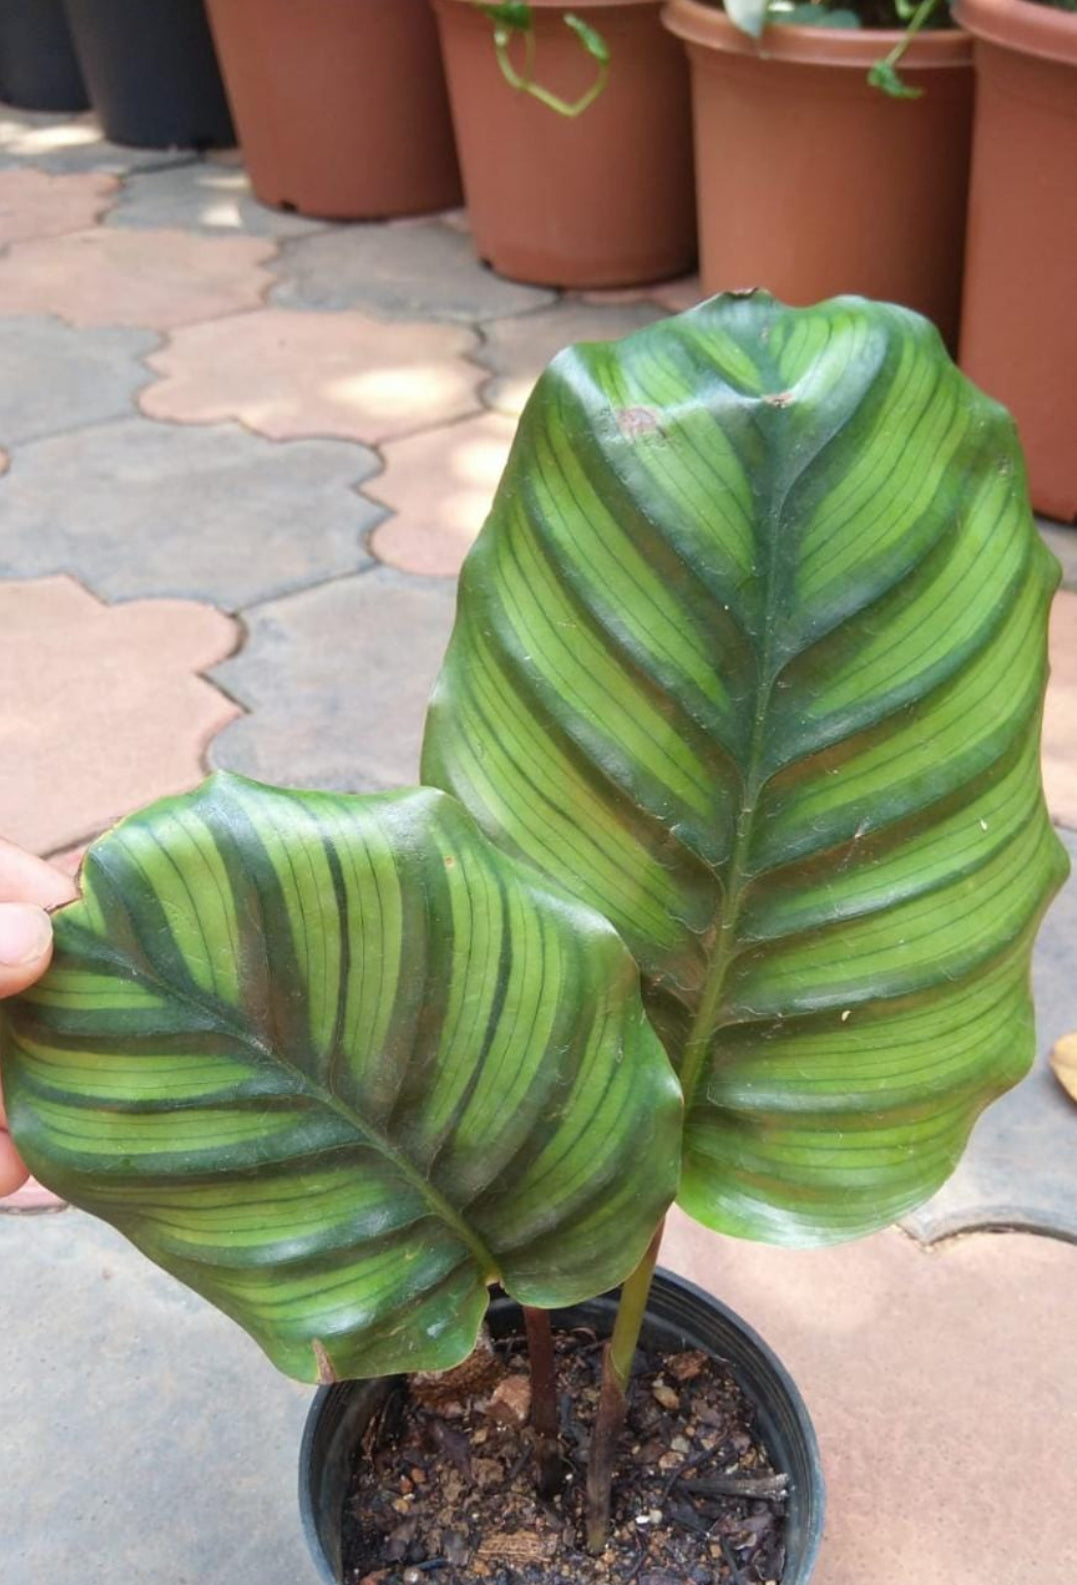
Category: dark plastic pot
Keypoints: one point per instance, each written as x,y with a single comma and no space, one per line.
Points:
38,68
679,1315
152,73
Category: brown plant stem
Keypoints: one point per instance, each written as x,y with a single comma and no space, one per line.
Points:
549,1469
613,1399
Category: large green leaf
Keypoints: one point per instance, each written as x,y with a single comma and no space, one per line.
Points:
750,655
337,1063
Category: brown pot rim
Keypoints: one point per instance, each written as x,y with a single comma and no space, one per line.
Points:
710,28
1022,26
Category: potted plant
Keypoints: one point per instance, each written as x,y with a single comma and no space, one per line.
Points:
340,105
849,176
151,72
38,69
586,182
1019,324
744,668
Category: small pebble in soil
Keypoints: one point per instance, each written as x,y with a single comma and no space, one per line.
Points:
443,1490
665,1395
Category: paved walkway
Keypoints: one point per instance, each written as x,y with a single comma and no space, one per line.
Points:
243,457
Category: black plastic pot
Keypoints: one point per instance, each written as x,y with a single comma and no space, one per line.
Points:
38,68
152,73
679,1315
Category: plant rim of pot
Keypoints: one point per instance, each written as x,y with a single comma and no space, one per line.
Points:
754,18
1029,27
698,22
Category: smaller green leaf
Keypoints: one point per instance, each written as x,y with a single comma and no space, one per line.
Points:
885,76
592,41
337,1063
748,15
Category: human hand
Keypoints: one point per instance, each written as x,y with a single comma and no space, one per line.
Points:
27,887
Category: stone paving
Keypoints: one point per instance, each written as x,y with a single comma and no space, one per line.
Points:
334,683
156,279
439,485
415,269
57,379
287,375
112,711
204,196
517,350
35,205
245,455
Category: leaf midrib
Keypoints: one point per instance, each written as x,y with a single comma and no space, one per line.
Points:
737,880
484,1257
726,918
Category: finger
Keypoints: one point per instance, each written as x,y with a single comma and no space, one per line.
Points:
29,886
25,946
12,1172
26,879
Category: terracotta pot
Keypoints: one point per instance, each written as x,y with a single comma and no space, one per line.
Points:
340,105
810,181
1019,326
604,199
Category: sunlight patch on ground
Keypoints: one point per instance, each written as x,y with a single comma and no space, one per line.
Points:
32,142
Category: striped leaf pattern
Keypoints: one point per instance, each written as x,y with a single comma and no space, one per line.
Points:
750,656
338,1064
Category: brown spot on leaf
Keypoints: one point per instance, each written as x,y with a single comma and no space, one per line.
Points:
326,1374
635,422
780,399
1064,1063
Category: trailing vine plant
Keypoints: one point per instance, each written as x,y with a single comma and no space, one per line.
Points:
753,16
514,32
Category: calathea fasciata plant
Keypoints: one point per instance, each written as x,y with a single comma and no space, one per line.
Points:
742,706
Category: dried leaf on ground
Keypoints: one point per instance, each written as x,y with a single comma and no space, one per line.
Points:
1064,1062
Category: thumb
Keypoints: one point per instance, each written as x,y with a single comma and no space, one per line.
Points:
25,946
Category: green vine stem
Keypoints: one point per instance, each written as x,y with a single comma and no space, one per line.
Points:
549,1470
613,1399
884,74
515,20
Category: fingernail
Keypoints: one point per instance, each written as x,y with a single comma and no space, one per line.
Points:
25,933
